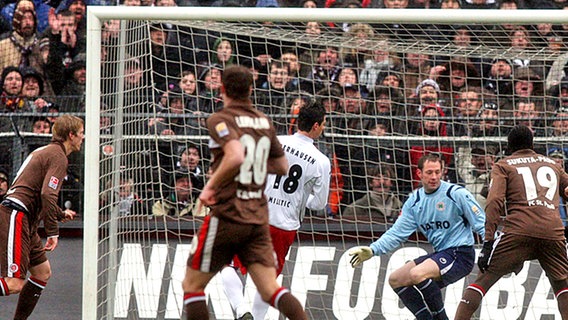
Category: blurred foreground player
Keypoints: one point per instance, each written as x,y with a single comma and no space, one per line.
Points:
525,189
31,199
306,185
245,149
446,214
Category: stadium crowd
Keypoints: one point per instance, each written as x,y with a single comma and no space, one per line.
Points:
172,78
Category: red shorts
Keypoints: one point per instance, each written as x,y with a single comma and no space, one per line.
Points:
282,240
18,249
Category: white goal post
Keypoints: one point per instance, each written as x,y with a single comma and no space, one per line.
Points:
97,15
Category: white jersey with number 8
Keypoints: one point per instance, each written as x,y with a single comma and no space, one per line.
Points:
305,186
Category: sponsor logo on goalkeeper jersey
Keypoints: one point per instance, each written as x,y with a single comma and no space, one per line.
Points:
250,122
435,225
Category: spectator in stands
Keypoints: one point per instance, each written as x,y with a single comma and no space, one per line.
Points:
209,88
426,93
223,52
290,57
4,184
11,83
559,95
309,4
272,97
466,110
432,125
72,96
389,108
79,9
33,90
170,120
162,65
560,124
380,204
329,98
452,77
190,160
355,111
396,30
19,48
64,41
188,86
137,96
40,8
179,202
349,75
527,112
131,3
543,35
488,124
499,77
325,71
41,125
450,4
354,50
255,68
519,42
11,100
416,68
526,83
474,168
391,78
378,60
126,199
313,28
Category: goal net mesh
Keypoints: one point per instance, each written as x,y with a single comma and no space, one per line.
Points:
393,93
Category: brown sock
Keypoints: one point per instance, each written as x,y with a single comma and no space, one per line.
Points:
195,306
29,297
284,301
562,299
469,303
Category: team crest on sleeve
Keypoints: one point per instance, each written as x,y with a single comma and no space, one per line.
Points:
222,129
475,210
440,206
53,183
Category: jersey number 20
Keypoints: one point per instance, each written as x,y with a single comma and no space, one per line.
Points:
253,167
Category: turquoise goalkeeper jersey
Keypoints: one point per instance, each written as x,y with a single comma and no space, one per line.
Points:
446,217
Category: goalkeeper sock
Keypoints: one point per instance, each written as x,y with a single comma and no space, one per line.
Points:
233,287
4,290
414,301
29,296
284,301
195,306
433,297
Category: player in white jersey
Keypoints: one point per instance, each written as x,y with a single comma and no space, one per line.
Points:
305,186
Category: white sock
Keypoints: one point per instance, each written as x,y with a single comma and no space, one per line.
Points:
259,307
233,287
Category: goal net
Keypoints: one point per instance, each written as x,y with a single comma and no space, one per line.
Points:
397,84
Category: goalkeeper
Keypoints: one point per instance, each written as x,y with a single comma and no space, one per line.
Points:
446,214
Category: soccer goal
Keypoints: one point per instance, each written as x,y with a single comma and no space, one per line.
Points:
153,78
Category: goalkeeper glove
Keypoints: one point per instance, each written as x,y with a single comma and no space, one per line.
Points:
360,254
484,255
